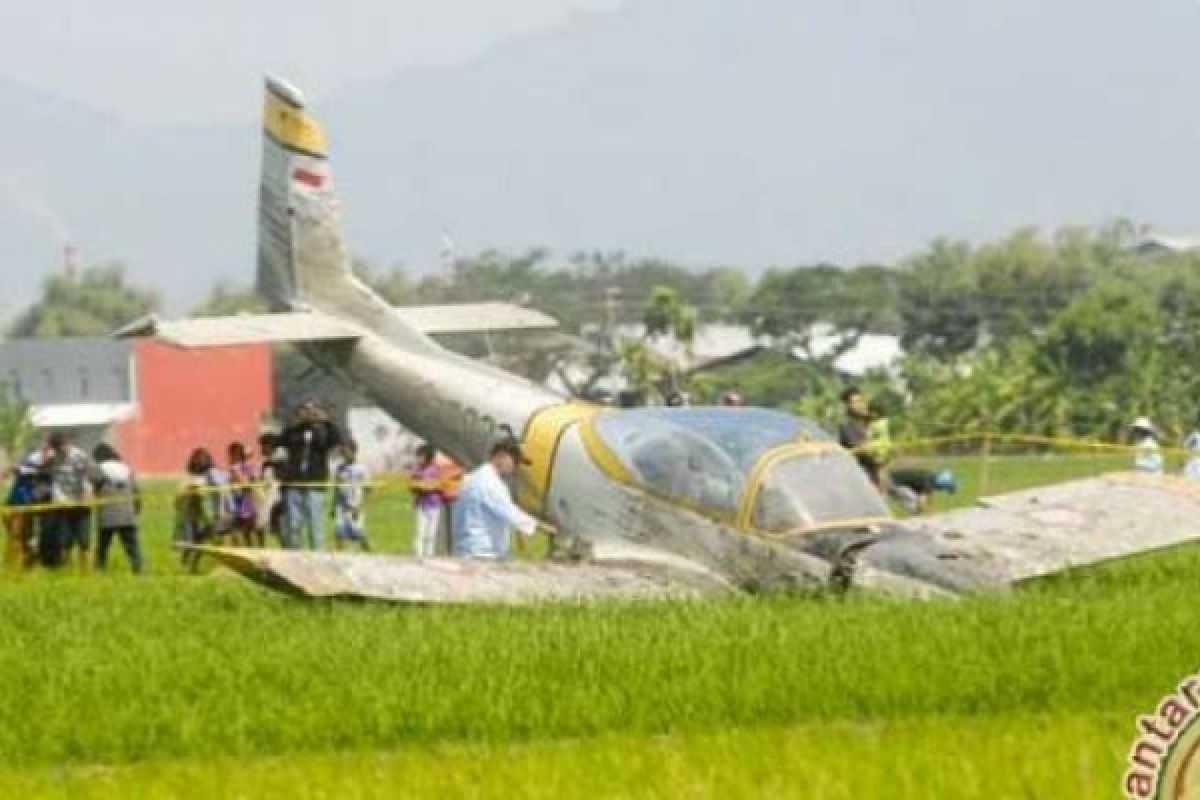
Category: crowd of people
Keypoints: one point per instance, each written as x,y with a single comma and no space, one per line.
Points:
59,485
60,496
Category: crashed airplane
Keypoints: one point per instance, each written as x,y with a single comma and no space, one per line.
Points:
645,502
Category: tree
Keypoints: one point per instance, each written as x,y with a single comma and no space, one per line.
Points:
666,315
732,290
663,315
95,304
793,304
226,299
16,428
1104,336
956,298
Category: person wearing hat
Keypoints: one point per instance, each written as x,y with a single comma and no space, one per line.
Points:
308,442
1147,455
485,513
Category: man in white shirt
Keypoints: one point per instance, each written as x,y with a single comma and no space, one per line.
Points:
485,514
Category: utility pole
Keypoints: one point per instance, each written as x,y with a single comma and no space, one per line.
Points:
70,262
612,303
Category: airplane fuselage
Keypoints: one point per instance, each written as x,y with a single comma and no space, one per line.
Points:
463,407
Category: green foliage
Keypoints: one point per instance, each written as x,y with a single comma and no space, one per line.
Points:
214,687
663,315
666,315
576,293
997,390
95,304
1065,755
956,298
16,428
774,379
788,302
189,660
227,299
1069,333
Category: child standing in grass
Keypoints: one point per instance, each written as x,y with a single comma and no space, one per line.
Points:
244,497
427,501
349,499
200,506
118,505
270,507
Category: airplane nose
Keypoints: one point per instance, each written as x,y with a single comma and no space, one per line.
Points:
908,563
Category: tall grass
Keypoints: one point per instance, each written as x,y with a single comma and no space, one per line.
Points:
122,669
214,678
989,758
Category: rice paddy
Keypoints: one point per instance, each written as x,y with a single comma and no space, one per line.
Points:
206,686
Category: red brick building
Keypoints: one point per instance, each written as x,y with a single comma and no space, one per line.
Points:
152,401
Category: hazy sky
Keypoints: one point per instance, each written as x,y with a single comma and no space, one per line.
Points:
185,61
751,132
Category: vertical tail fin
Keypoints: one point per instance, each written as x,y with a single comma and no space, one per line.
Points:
302,256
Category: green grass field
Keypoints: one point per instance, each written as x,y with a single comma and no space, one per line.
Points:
181,686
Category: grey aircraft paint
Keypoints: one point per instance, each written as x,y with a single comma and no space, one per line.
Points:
649,543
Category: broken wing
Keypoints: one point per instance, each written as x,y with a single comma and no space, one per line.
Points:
1038,532
449,581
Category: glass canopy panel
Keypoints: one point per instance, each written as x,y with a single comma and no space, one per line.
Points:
813,490
698,455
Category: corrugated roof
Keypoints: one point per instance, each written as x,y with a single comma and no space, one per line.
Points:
1158,243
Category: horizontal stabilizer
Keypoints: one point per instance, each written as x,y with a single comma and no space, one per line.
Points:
311,326
242,329
474,318
1037,532
446,581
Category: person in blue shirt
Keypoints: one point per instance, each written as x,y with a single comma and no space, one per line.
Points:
26,490
485,514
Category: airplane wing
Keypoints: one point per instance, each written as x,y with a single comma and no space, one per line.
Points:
450,581
1038,532
475,318
243,329
311,326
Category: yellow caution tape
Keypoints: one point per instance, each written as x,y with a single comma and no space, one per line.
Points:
94,502
1062,442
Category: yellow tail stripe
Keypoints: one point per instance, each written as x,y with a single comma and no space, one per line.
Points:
293,128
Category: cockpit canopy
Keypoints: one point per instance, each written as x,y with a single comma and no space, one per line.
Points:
761,468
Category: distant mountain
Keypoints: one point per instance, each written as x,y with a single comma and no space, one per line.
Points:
772,132
173,204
